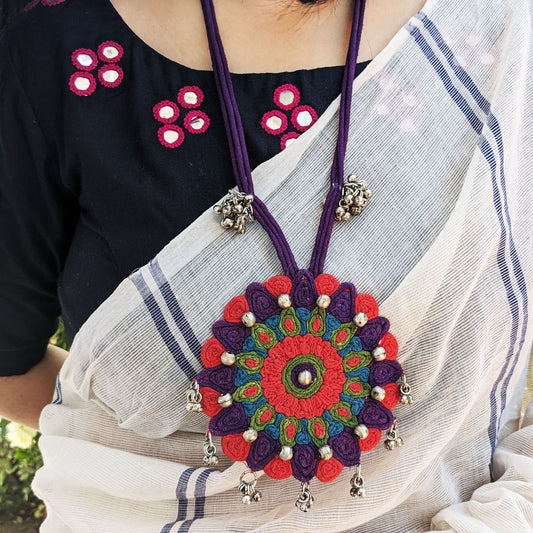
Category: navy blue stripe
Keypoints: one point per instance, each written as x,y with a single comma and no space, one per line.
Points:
494,127
199,494
58,393
181,496
174,307
161,324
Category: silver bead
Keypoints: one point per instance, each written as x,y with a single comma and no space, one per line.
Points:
325,452
247,499
379,353
360,319
399,442
227,358
378,393
323,301
248,319
352,178
346,216
249,435
257,496
284,301
213,460
361,492
361,431
390,445
225,400
368,194
305,377
286,453
340,212
227,223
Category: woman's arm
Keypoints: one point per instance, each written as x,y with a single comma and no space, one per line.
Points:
23,397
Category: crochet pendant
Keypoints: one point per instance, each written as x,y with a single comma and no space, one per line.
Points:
300,377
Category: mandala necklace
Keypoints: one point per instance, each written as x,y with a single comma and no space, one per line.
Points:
301,373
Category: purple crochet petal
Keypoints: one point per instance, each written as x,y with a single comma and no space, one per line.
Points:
304,462
384,372
220,378
342,305
303,293
262,304
345,447
230,420
375,415
262,451
372,332
231,335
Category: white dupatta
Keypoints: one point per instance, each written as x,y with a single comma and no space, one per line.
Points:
442,132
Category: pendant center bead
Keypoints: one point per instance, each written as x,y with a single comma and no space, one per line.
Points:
305,378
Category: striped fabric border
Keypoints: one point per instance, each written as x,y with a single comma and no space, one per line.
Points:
163,328
495,159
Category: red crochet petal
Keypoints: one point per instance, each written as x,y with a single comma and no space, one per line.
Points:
326,284
392,395
209,401
236,308
278,285
374,436
364,303
390,344
211,352
278,468
235,447
329,469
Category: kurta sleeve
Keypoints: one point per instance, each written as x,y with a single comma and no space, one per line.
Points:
37,216
506,505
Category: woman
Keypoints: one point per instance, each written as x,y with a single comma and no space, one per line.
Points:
438,128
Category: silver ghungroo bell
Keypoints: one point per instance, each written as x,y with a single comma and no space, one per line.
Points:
210,450
393,439
247,489
354,197
194,397
405,389
235,210
358,484
305,499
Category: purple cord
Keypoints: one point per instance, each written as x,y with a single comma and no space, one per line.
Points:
239,154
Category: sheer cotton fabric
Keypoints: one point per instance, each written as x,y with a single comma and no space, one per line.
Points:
441,130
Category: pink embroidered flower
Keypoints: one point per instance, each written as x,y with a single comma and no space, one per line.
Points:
166,111
196,122
82,83
84,59
190,96
286,96
303,117
110,75
288,139
171,135
110,52
274,122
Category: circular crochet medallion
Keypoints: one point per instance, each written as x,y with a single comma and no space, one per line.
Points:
300,377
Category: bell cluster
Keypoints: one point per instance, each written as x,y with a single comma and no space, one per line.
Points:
354,197
249,494
305,499
235,210
194,397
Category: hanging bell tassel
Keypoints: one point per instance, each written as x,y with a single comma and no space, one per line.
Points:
235,210
354,198
305,499
393,439
210,450
358,484
247,488
405,389
194,397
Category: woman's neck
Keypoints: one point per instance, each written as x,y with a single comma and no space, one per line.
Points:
264,35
